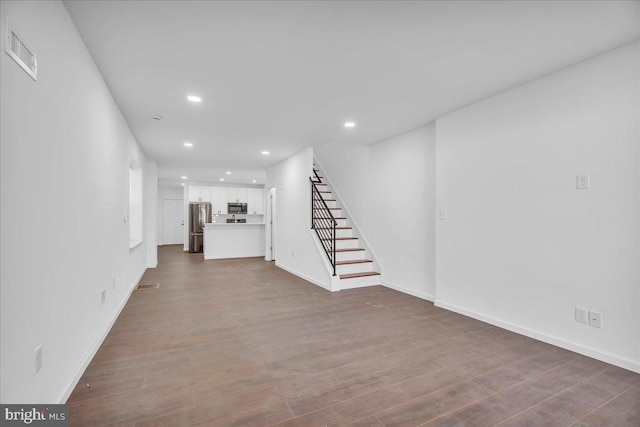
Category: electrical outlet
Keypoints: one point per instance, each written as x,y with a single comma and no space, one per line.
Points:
103,296
113,282
293,254
582,181
595,319
38,358
581,315
443,214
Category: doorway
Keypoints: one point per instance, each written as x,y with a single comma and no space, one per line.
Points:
172,222
271,225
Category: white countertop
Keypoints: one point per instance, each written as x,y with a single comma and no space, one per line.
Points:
233,223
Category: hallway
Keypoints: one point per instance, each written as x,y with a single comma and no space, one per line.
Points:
242,342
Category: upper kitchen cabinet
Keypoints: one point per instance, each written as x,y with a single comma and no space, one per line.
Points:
219,200
255,205
237,195
199,193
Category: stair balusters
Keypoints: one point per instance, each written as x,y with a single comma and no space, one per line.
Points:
322,220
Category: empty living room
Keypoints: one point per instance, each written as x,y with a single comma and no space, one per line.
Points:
320,213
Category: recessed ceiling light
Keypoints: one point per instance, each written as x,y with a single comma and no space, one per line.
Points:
221,179
349,125
254,181
228,173
194,98
188,144
183,177
265,152
182,183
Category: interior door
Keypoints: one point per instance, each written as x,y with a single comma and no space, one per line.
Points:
172,222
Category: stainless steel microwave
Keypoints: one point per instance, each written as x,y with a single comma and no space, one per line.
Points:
236,208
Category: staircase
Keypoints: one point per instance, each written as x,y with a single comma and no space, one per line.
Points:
348,258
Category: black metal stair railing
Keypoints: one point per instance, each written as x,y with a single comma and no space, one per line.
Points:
322,221
318,179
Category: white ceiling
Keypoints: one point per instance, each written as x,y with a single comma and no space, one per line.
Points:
281,76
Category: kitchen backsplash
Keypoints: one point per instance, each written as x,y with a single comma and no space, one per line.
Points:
250,218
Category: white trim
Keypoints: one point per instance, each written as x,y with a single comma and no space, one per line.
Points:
632,365
323,256
302,276
134,243
96,346
408,291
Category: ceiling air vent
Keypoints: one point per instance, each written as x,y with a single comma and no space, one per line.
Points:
20,53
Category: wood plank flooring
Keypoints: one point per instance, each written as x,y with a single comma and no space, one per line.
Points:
243,343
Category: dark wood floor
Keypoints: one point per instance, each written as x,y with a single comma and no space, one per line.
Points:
243,343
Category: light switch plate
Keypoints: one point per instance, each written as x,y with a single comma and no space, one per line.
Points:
443,214
582,181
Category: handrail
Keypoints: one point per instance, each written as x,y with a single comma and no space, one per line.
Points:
323,222
318,179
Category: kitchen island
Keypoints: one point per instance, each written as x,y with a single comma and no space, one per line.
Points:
233,240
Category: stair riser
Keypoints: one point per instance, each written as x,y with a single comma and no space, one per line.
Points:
359,282
335,212
346,256
341,223
354,268
330,203
341,233
345,244
344,233
323,215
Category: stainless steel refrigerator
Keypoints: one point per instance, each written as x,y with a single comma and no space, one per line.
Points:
199,214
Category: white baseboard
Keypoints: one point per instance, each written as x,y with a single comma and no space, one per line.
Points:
404,290
96,346
603,356
303,276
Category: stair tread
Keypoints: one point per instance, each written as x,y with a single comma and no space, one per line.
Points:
363,274
353,261
323,209
349,249
337,228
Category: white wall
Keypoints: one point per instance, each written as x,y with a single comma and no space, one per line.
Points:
151,215
296,250
389,189
347,166
521,246
65,153
401,208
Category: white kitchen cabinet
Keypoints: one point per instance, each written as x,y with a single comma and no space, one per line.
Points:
237,195
255,205
220,196
219,200
205,194
194,193
199,193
